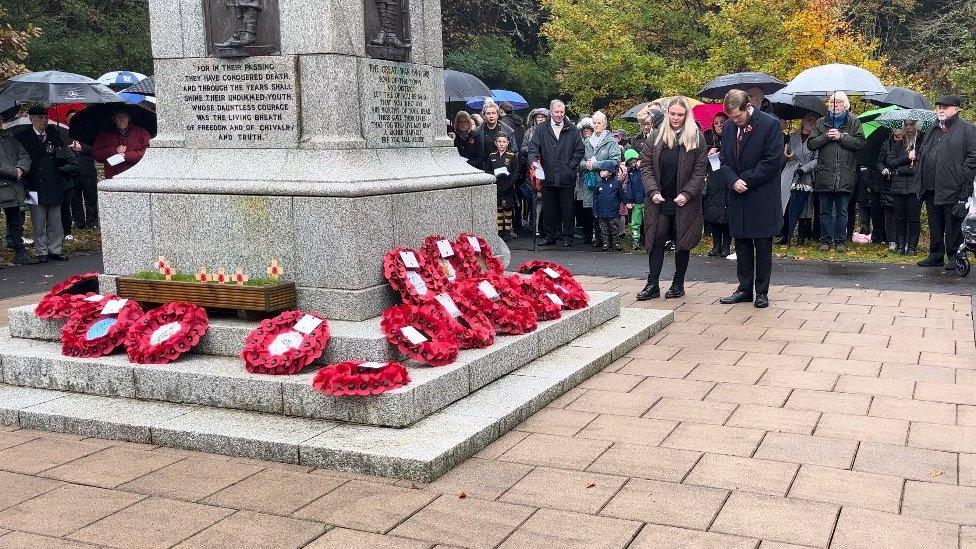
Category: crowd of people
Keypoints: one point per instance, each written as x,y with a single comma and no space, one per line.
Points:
597,181
53,178
740,178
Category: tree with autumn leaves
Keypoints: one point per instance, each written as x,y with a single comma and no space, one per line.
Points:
13,46
615,52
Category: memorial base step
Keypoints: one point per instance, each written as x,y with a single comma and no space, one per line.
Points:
422,451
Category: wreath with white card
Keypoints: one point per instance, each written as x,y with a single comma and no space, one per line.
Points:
509,310
444,262
360,378
559,279
472,327
421,333
98,328
66,295
285,344
479,259
165,333
408,273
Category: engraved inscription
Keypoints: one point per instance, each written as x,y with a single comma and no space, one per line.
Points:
399,108
249,103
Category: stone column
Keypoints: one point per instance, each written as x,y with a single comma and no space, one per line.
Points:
318,155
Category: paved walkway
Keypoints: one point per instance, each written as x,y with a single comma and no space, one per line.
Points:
841,418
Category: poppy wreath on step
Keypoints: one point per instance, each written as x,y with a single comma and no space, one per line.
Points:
408,273
165,333
472,327
563,282
547,304
444,262
421,333
97,329
508,309
285,344
65,295
359,378
478,257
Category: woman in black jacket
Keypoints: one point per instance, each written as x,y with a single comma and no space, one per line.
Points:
897,167
716,194
469,143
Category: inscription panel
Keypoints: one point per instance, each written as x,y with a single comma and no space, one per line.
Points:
249,103
396,104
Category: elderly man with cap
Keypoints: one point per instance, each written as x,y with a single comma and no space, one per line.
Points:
946,166
14,165
51,164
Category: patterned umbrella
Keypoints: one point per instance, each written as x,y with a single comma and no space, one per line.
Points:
144,87
925,118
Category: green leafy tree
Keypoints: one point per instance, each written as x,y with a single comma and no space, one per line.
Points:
495,60
88,37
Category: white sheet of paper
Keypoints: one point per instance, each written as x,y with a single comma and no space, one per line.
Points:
409,260
474,244
714,160
501,171
418,283
540,174
555,299
115,159
449,305
413,336
551,273
444,247
489,290
372,366
31,198
94,298
308,324
113,306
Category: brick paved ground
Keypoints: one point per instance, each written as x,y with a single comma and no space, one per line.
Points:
840,418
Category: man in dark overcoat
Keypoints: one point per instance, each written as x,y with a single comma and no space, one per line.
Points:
558,147
752,158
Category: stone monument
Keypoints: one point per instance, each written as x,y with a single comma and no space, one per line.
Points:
323,147
308,132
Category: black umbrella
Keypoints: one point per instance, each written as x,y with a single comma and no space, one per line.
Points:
146,86
902,97
717,88
55,87
90,121
461,86
795,107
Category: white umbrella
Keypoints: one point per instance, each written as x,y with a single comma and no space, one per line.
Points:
825,80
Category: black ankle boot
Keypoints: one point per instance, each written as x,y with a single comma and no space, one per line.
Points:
675,291
651,291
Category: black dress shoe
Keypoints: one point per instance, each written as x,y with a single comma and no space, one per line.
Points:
651,291
41,259
762,301
931,262
58,257
547,242
567,243
737,297
675,292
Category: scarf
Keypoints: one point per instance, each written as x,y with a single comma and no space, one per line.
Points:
839,120
597,139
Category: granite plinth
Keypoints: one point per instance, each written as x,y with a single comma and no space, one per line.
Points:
421,452
30,357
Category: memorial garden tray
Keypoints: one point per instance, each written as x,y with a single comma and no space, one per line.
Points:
265,298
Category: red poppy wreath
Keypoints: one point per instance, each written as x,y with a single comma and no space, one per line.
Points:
358,378
477,255
508,309
444,262
65,295
165,333
563,282
547,304
285,344
96,329
472,327
408,273
421,333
